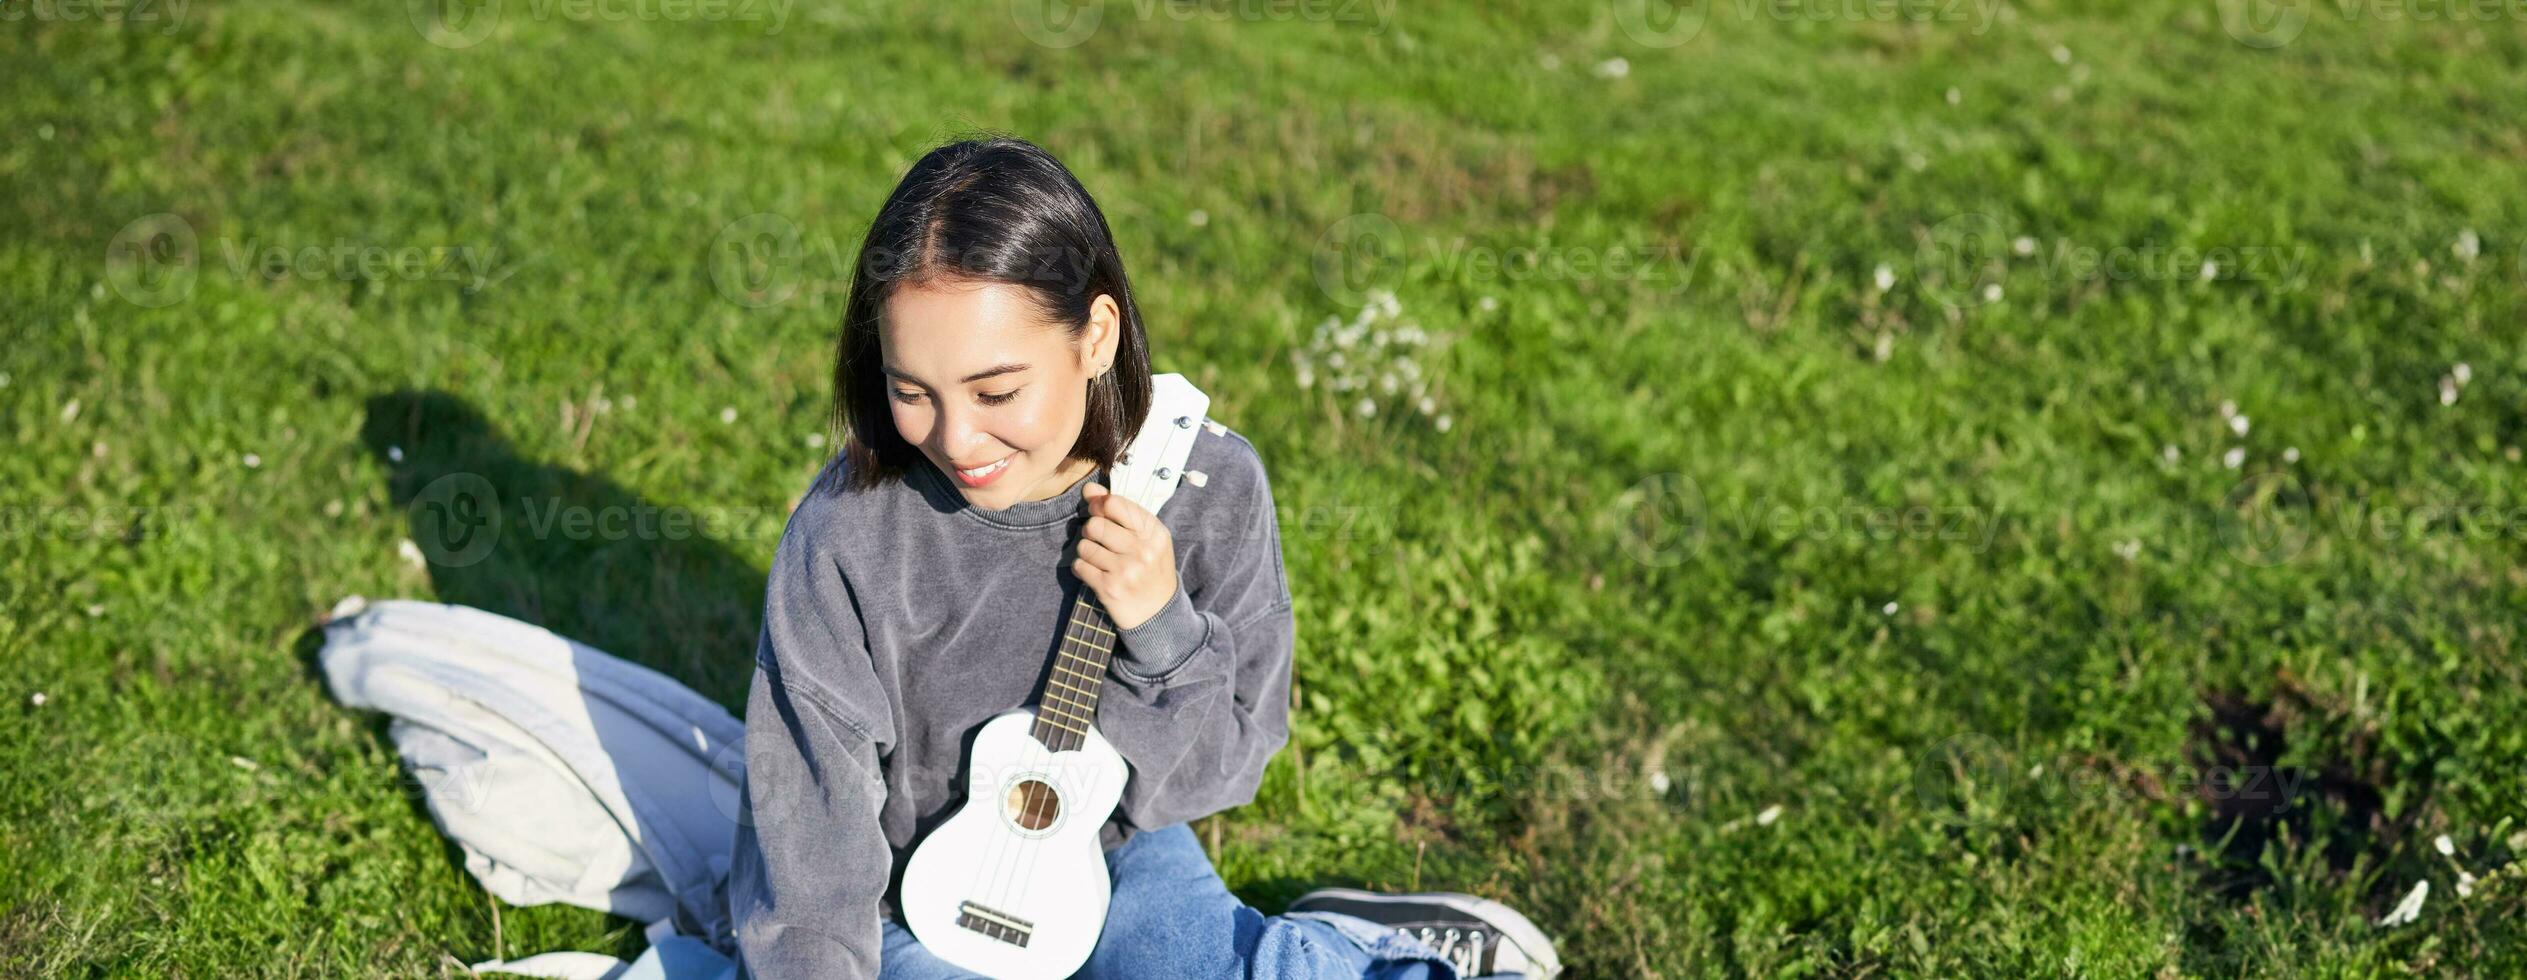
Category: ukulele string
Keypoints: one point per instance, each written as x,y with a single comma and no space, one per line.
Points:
1085,609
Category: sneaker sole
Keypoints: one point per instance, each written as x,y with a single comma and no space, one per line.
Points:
1510,925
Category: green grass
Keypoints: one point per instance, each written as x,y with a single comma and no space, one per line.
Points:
1664,534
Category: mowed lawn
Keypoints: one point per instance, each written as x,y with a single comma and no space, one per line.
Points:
2026,489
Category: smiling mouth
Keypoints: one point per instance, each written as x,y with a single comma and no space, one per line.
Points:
983,475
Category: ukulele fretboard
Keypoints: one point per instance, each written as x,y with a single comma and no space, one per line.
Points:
1069,706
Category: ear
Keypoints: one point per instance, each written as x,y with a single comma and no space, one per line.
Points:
1104,335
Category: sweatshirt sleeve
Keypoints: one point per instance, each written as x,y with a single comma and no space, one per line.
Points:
1198,696
811,862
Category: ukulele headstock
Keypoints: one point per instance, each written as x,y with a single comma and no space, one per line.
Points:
1150,468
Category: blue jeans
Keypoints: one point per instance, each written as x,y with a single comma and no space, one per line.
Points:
1172,916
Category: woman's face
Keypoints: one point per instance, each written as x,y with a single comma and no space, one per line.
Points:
992,394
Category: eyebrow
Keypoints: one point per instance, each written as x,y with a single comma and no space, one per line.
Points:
985,374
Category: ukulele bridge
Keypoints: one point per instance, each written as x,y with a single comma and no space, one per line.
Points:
1006,928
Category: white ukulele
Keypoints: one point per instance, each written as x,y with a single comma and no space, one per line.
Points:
1014,885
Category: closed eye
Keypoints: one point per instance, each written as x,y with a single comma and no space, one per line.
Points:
998,398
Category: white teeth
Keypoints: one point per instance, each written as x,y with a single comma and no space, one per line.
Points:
987,470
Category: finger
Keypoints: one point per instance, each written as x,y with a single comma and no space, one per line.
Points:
1091,575
1127,513
1104,558
1106,532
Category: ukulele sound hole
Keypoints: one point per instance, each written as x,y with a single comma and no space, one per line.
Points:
1033,804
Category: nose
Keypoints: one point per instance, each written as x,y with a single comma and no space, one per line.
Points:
957,431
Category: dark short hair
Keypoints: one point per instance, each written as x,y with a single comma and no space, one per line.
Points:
995,209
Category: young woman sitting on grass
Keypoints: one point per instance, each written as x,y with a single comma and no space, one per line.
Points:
991,353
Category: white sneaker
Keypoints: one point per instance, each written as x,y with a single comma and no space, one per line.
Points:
1478,936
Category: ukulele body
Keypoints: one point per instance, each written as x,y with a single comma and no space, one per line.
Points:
1014,885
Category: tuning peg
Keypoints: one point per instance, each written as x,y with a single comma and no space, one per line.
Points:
1184,421
1197,478
1216,428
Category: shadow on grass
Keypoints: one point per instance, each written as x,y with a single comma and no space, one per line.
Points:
573,552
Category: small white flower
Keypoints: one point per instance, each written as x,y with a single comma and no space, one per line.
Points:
1770,814
1367,407
1428,405
2228,409
2210,271
333,508
1487,304
244,763
1613,68
2411,907
1885,347
604,405
1658,780
2290,455
2234,458
95,611
2170,453
2023,245
2468,245
2465,884
1955,96
1307,377
2239,424
1889,608
394,454
1444,423
629,402
2444,845
2447,391
1992,293
2462,371
2128,550
410,553
1198,218
728,414
2061,55
70,411
815,440
1387,382
251,460
38,699
1884,277
4,379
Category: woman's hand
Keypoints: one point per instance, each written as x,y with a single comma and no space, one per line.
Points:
1127,557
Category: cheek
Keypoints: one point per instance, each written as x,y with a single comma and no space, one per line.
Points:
912,422
1045,424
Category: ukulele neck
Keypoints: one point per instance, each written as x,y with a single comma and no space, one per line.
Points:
1069,705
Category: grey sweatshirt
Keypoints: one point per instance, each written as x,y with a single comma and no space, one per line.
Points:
900,618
